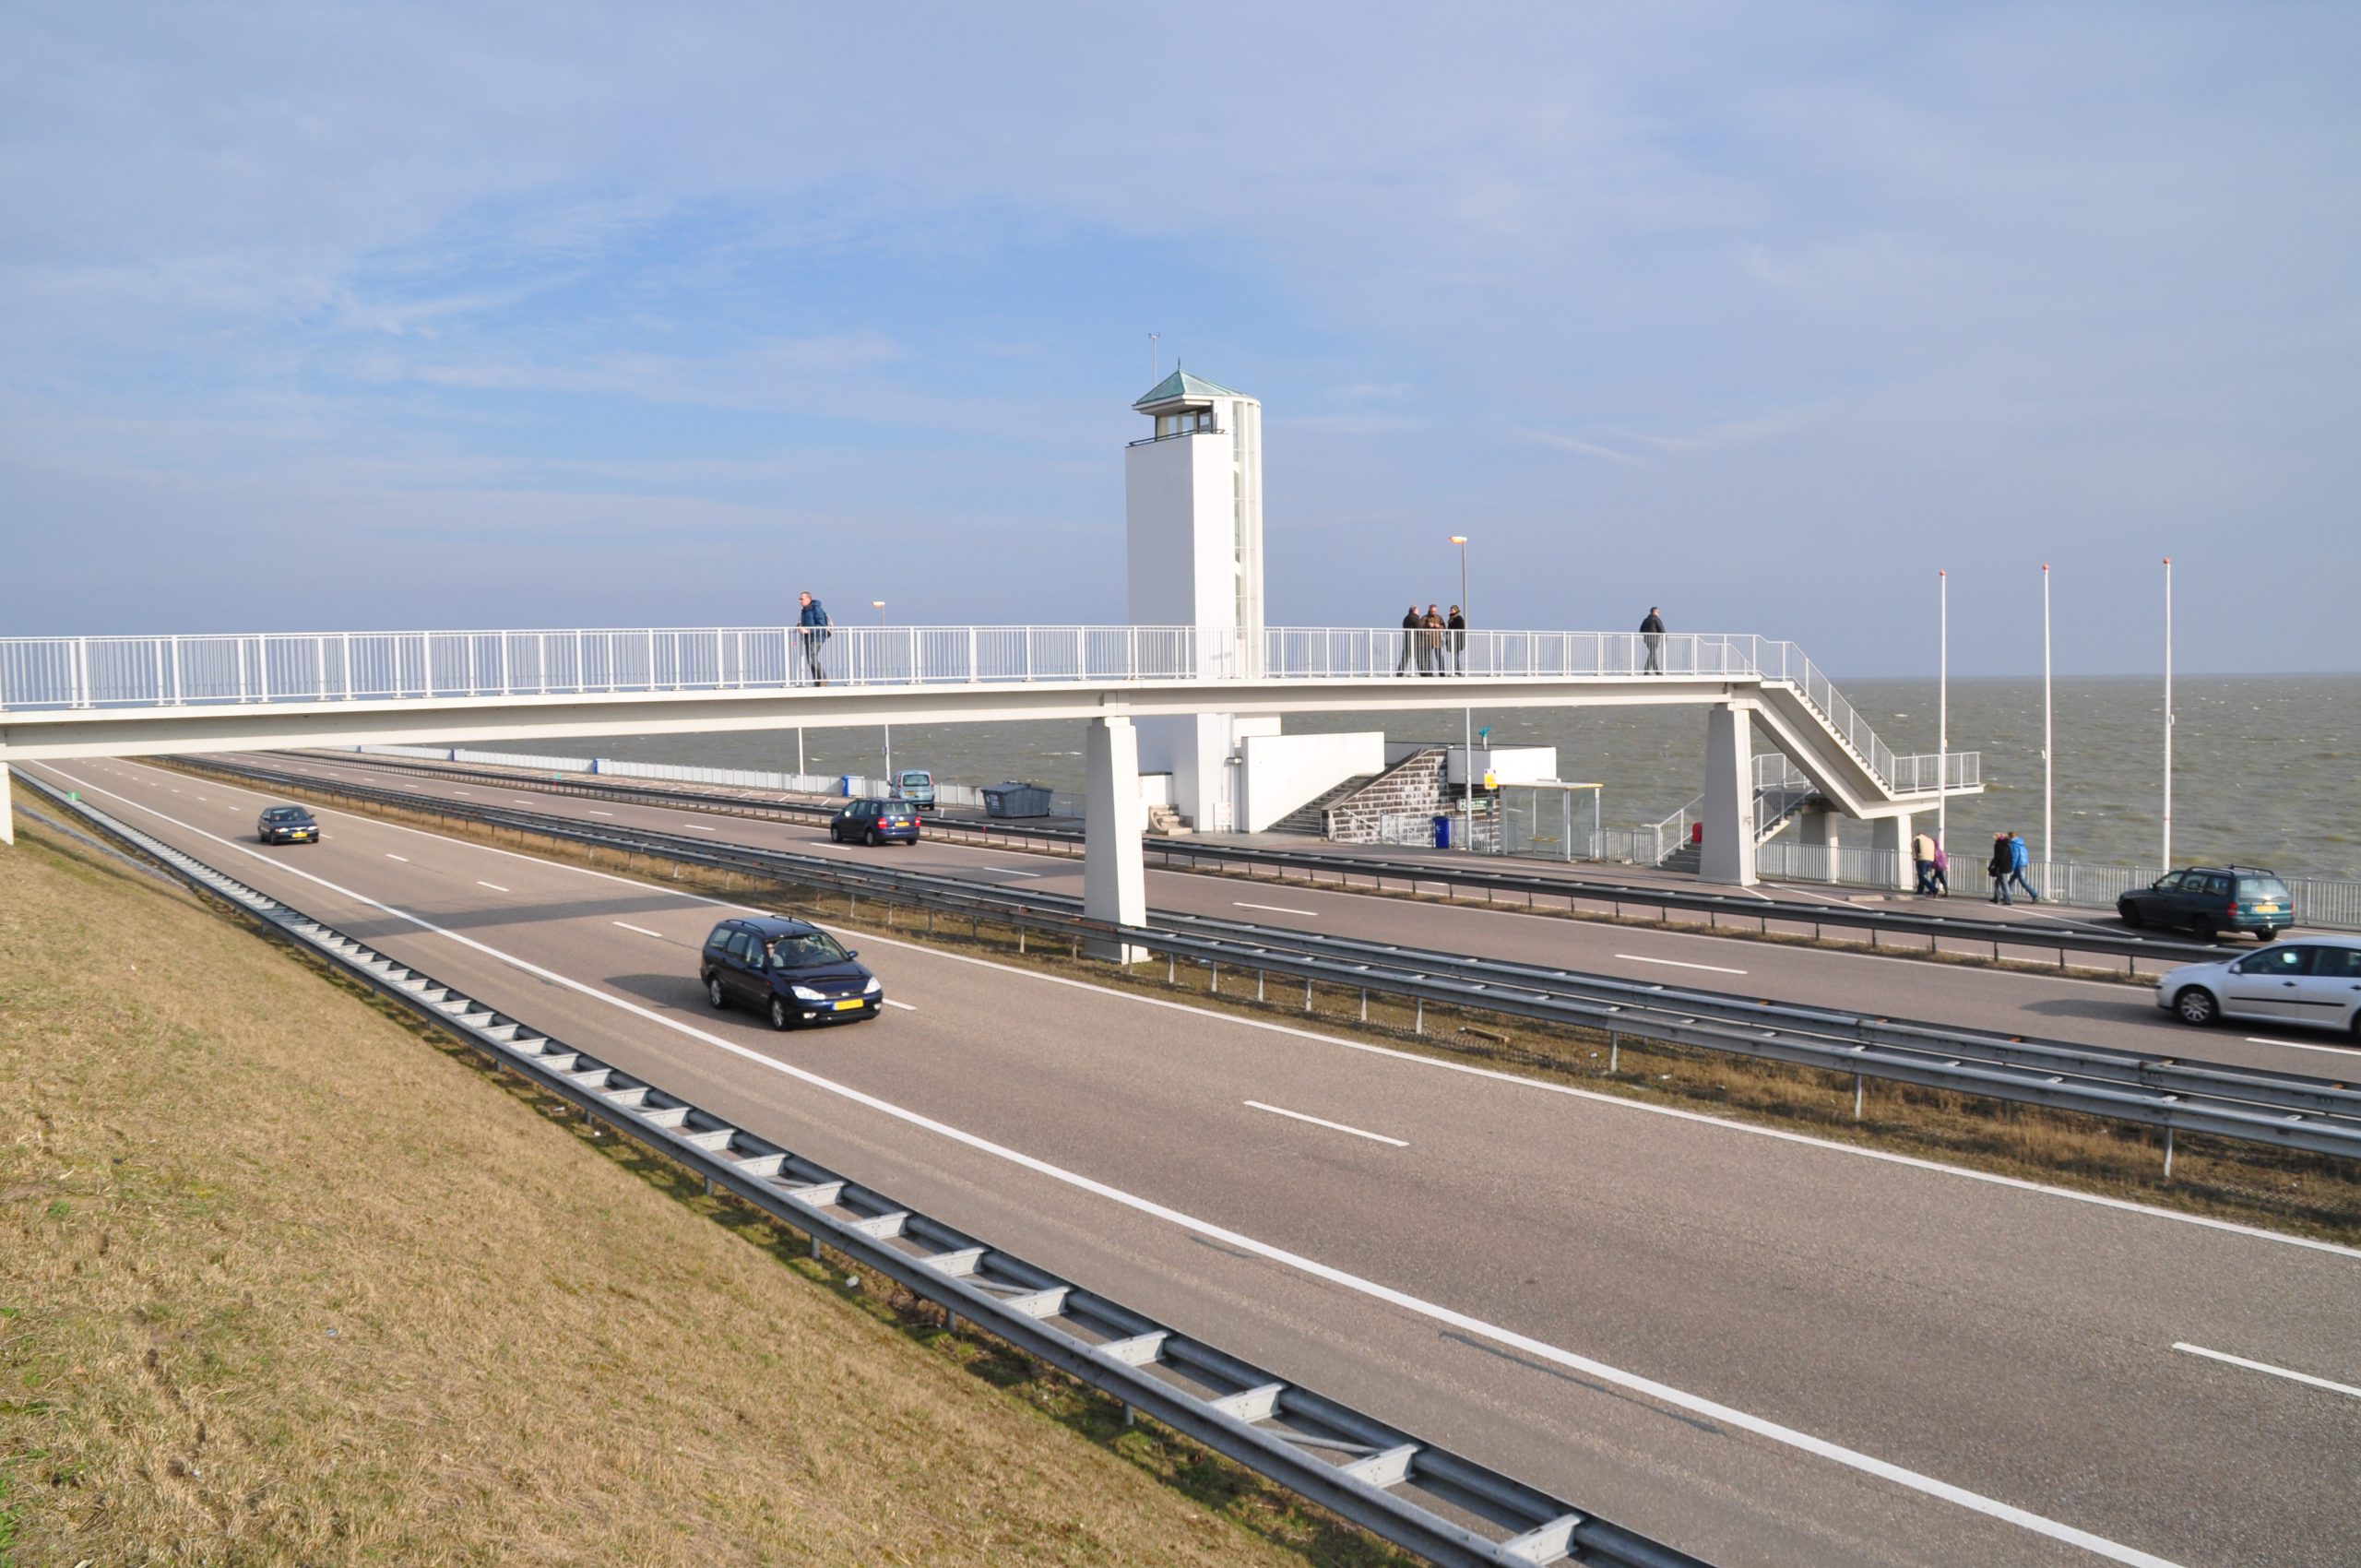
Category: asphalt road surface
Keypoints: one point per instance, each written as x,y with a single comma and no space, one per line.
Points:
1759,1347
2082,1012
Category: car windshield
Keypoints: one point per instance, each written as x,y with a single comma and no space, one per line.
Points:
806,952
2268,889
287,814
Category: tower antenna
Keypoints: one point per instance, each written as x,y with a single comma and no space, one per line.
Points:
1155,359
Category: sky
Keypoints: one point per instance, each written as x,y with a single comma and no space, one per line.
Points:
367,316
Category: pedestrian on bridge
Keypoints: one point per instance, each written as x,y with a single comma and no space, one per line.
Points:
1411,622
2020,857
1431,641
1942,871
1457,624
1922,855
1652,633
2002,862
811,630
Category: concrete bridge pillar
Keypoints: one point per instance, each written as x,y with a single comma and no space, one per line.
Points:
1816,827
1114,873
1890,837
1727,853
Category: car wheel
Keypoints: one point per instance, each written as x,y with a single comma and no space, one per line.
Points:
2195,1004
2130,915
2267,934
2203,929
871,840
713,993
781,1017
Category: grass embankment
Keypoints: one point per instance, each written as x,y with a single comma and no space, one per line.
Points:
2306,1194
281,1282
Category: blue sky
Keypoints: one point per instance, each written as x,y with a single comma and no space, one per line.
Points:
555,315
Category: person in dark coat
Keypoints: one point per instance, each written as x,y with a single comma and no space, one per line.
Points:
1411,622
811,629
1652,633
2002,862
1458,624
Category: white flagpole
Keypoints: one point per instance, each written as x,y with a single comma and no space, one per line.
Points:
1943,711
2047,734
2168,716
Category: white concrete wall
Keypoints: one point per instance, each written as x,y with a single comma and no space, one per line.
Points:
1508,765
1284,771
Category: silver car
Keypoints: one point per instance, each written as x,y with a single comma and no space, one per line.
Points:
2315,981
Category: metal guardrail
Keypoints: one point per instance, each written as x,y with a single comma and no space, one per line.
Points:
1449,1509
1187,853
2283,1110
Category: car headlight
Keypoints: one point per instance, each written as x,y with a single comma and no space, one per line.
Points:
806,994
873,987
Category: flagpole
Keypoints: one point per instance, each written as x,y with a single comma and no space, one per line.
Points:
2168,866
2047,734
1943,711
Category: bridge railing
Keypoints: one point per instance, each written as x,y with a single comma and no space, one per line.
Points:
143,672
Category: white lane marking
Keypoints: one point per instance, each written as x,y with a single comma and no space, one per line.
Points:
519,800
1332,1126
1007,870
641,929
1679,964
1465,1322
2267,1367
695,828
1408,1059
602,813
493,885
1276,908
391,856
903,1005
462,792
2305,1045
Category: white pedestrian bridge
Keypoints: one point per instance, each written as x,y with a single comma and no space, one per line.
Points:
65,697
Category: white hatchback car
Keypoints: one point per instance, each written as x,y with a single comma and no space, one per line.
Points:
2315,981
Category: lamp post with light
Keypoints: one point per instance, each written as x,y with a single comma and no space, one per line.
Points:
1467,715
879,605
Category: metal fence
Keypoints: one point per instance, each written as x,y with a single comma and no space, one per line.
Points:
141,672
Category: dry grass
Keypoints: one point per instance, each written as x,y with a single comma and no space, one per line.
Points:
281,1284
2304,1194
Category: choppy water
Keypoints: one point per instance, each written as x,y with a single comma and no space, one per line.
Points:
2267,768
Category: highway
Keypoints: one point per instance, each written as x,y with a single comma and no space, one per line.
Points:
1759,1347
2008,1001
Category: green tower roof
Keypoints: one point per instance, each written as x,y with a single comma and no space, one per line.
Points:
1181,384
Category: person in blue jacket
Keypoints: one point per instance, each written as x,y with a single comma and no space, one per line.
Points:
812,623
2018,859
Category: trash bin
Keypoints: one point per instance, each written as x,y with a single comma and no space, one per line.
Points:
1442,833
844,786
1015,799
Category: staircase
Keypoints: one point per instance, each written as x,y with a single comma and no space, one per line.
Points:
1312,817
1163,821
1411,787
1781,794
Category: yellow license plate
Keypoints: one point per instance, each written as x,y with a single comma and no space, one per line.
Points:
2266,908
848,1007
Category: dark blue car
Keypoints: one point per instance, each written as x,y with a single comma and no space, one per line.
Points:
791,972
876,822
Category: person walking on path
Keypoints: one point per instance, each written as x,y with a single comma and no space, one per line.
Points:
1652,633
1999,867
1411,623
1431,642
1458,627
811,629
2020,858
1942,871
1922,855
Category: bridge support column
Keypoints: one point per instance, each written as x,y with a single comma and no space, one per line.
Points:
1114,873
1727,853
8,809
1890,837
1817,830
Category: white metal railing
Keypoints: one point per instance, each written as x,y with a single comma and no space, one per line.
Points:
146,671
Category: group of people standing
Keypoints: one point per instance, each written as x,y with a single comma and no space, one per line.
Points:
2011,858
1435,643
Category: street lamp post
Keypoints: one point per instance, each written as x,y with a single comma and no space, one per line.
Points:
1467,715
2166,867
879,605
